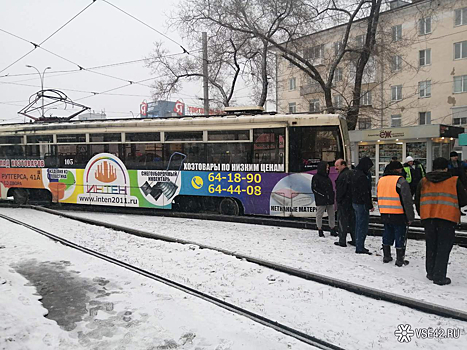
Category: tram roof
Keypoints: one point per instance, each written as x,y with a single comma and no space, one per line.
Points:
243,121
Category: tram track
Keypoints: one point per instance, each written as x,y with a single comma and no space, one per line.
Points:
325,280
282,328
376,228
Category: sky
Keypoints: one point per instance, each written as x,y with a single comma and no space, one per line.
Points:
100,35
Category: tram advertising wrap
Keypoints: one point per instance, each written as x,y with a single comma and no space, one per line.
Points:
106,181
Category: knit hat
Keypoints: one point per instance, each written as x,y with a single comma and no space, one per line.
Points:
453,154
440,163
394,166
409,159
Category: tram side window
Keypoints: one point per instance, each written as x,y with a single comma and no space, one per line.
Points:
269,146
43,151
11,151
310,145
194,152
73,156
229,153
144,156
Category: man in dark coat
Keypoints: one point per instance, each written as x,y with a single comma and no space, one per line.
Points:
322,188
345,213
362,202
438,199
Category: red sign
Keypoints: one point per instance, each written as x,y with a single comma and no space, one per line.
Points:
143,109
179,108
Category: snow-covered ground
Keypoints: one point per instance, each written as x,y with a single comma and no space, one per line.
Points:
345,319
121,310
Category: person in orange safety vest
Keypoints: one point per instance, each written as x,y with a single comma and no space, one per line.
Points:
396,208
438,199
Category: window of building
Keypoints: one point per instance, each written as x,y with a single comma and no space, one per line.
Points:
364,123
397,33
460,17
424,118
292,83
396,120
460,84
424,57
459,115
396,93
338,103
460,50
338,75
292,107
396,63
360,40
314,105
424,88
366,99
314,52
424,26
338,47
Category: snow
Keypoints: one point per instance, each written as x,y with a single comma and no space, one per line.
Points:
143,314
342,318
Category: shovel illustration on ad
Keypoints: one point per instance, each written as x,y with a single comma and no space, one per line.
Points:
167,188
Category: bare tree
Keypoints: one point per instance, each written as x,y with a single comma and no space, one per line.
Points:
283,25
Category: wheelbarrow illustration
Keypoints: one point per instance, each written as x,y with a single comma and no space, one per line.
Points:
167,188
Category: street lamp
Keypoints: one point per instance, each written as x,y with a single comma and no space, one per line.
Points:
42,83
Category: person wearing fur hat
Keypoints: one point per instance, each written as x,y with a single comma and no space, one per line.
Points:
438,199
414,173
396,208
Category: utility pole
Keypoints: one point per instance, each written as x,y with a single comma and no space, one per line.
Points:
205,73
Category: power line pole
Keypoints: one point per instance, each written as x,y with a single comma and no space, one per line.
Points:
205,73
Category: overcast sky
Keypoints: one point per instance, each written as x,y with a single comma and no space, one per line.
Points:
101,35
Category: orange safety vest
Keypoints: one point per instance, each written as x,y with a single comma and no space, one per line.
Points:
439,200
389,201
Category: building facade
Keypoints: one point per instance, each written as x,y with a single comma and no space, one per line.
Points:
417,75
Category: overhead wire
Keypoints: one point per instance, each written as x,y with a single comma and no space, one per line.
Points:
147,25
43,41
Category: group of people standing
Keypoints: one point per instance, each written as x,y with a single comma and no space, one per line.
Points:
439,195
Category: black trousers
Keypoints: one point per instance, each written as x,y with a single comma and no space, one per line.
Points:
346,222
439,235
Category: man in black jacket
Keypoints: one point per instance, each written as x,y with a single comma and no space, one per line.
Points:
362,202
345,213
322,188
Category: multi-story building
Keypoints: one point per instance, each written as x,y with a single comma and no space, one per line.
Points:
417,76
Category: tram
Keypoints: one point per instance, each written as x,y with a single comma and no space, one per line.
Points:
233,164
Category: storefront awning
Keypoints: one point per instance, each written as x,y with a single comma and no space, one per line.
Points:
410,132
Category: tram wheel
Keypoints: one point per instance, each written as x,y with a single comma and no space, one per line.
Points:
229,206
20,196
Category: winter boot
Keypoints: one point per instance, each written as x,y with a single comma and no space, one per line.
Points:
387,253
321,233
334,232
443,282
400,257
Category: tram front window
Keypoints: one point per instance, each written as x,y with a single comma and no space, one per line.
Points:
310,145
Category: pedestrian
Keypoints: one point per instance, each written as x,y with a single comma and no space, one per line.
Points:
414,173
345,213
457,168
396,207
438,199
323,190
362,202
